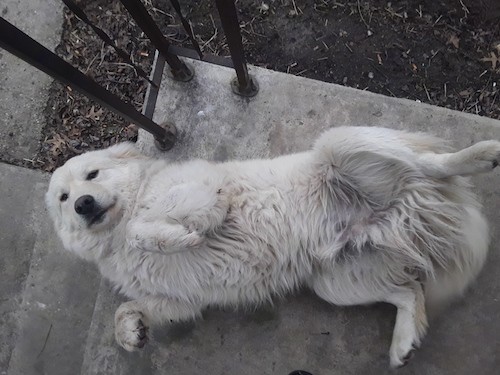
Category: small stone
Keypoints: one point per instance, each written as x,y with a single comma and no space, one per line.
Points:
263,8
371,75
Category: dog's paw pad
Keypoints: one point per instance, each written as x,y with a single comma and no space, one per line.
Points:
142,334
408,356
488,152
402,355
131,332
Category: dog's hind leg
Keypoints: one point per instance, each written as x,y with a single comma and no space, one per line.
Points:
411,322
479,158
133,319
348,285
357,151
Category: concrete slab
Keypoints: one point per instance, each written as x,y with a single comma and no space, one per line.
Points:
287,115
19,189
24,89
47,295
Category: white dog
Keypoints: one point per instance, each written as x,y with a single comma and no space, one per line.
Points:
369,214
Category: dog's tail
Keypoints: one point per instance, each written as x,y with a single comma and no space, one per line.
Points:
449,284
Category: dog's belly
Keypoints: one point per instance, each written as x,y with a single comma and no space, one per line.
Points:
256,253
237,275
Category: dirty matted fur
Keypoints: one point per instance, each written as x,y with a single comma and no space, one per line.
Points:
367,215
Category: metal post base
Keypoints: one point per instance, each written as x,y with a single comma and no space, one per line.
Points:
251,89
168,141
183,75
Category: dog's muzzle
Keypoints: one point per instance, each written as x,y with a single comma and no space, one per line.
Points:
89,209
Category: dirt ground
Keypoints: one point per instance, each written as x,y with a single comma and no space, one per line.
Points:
441,52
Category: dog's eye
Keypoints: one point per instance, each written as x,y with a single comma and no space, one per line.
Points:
64,197
92,175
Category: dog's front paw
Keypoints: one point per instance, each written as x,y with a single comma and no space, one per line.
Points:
162,237
131,329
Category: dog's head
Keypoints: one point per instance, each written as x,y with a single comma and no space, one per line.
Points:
88,196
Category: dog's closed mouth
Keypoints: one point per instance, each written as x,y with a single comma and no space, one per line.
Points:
99,216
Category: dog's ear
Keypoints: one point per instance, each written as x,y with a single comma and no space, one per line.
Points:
125,150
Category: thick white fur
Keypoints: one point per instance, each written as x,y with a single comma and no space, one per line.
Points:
369,214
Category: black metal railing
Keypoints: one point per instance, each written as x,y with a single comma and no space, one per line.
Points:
21,45
244,84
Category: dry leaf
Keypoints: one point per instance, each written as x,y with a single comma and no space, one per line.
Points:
93,114
493,59
57,144
454,40
465,93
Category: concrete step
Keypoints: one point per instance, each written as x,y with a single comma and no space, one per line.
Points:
48,295
17,239
23,88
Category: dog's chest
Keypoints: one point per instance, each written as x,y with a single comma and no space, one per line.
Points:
139,274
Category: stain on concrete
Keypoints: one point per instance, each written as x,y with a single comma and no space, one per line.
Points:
175,332
311,113
261,316
276,140
221,153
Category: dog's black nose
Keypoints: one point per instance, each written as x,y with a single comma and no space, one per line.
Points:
85,205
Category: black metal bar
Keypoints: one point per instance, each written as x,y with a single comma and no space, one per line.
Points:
244,85
21,45
151,97
105,37
148,109
139,13
187,27
209,58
